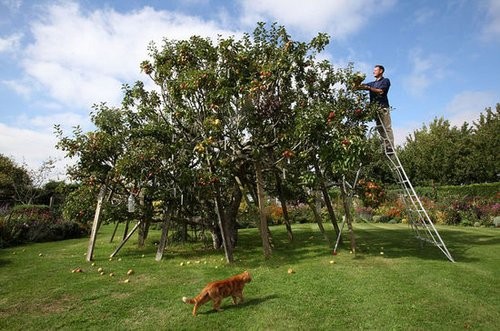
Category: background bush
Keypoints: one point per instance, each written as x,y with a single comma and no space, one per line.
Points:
36,223
469,205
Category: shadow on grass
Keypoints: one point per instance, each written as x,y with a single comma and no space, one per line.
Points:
4,262
402,242
246,303
396,241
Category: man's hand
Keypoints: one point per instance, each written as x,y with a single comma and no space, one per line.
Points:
361,87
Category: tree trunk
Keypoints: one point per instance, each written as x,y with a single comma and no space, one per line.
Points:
326,198
281,197
147,214
346,199
125,231
232,214
216,236
264,230
317,218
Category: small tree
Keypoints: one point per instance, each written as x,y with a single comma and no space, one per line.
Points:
485,146
28,188
10,175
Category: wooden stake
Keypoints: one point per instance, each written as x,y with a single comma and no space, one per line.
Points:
125,240
264,230
163,238
95,224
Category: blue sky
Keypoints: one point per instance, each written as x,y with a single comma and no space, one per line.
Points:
57,58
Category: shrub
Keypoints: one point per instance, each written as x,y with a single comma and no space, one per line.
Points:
371,193
467,211
301,213
390,210
275,213
364,213
34,223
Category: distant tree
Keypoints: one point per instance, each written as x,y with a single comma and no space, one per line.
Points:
444,154
486,146
432,153
10,174
28,189
20,183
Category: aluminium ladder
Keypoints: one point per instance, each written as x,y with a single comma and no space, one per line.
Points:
418,217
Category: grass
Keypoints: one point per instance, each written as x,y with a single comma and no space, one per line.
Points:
406,288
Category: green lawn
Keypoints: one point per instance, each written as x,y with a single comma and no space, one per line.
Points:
406,288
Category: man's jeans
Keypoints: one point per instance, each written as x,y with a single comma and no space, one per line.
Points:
384,115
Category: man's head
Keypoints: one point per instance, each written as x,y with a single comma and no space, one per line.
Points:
378,71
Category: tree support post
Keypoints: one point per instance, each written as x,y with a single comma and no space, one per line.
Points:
163,239
125,240
317,218
347,202
264,230
326,198
281,197
95,224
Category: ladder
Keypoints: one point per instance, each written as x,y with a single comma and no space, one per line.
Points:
419,220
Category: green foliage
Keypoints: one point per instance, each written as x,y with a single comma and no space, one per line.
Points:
449,155
35,223
79,205
434,153
486,190
486,144
11,175
221,110
301,214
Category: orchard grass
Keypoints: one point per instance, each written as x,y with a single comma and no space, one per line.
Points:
405,288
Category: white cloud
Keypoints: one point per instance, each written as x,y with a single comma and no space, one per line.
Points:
45,123
31,139
426,69
10,43
401,132
12,5
491,30
466,106
423,15
81,58
339,18
18,86
78,58
31,147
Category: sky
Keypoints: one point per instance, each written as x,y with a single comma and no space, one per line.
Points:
58,58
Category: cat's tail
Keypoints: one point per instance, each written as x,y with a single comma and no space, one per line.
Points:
200,298
187,300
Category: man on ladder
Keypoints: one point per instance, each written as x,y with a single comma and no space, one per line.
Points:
419,219
379,89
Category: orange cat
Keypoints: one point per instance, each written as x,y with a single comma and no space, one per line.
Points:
218,290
